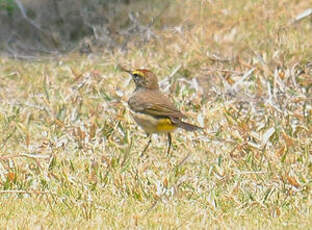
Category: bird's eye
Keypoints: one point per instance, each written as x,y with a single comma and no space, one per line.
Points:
136,76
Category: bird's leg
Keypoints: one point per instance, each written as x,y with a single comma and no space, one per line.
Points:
169,143
148,144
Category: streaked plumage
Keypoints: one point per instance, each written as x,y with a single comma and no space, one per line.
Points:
152,110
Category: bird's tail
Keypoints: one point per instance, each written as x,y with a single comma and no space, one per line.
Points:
187,126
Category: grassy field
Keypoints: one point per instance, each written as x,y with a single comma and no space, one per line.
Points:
69,155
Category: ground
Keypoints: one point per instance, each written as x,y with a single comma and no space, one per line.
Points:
70,151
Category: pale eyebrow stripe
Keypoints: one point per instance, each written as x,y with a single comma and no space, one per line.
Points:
138,72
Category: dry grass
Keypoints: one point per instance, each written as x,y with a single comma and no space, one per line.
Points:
70,151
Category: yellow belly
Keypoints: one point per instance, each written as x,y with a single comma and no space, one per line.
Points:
151,124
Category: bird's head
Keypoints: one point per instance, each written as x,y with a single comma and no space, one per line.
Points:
144,79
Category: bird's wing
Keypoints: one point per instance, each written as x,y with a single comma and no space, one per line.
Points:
163,110
154,104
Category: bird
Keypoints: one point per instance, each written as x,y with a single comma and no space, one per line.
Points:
152,110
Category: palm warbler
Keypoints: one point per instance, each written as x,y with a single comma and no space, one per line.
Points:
152,110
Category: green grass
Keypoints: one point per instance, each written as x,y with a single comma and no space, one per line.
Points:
70,149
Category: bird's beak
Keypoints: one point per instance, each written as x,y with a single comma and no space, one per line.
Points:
125,70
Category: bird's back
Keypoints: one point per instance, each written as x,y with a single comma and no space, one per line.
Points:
154,103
